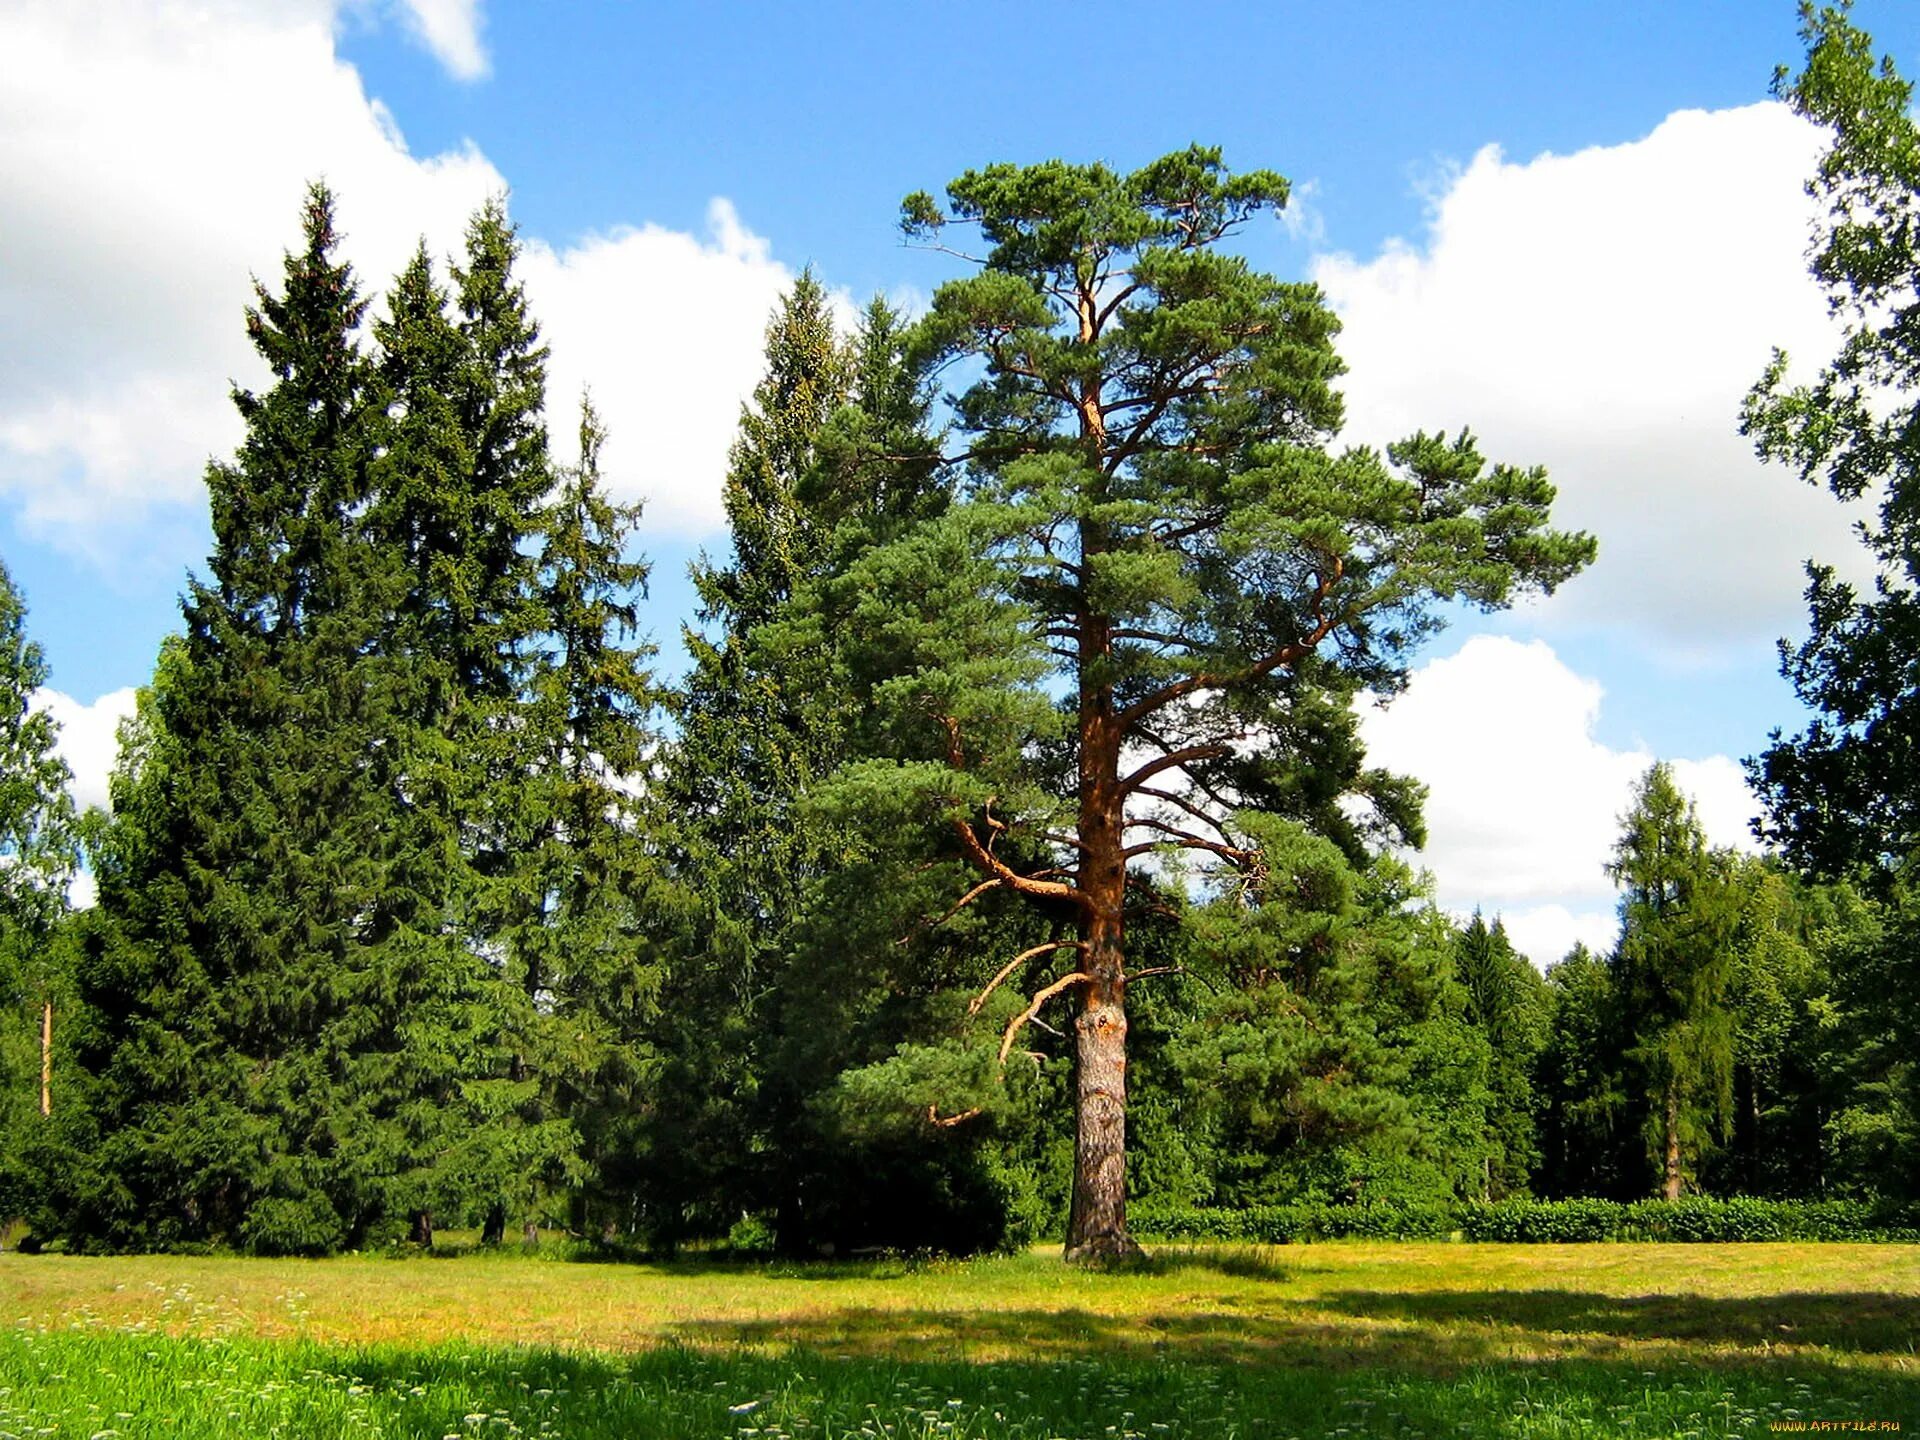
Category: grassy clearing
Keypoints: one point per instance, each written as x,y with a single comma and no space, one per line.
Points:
1347,1339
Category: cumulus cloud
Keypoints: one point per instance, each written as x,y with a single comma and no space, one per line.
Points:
451,30
1545,933
89,739
1603,313
1524,803
153,155
152,158
665,329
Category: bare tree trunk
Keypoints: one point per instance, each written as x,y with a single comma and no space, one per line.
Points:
495,1228
1097,1222
1672,1187
423,1228
46,1059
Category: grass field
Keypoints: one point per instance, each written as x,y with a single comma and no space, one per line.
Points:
1328,1340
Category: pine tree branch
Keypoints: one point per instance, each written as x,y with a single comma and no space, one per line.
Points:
947,1122
1185,838
1212,750
1188,806
973,1006
983,858
1285,655
954,909
1078,977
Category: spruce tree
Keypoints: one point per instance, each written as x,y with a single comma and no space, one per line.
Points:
592,950
1678,914
1508,1001
245,878
747,745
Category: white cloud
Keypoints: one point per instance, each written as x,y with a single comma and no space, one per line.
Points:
451,30
153,154
667,331
152,157
1545,933
82,891
1524,804
1603,313
88,739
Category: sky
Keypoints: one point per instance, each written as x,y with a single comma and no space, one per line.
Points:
1577,228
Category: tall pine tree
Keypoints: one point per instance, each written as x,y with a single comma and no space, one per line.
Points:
1156,529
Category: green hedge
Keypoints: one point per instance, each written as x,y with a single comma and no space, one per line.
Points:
1544,1221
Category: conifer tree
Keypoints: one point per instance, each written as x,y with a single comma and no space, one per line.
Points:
591,950
1068,667
1678,915
746,748
1586,1143
245,877
1508,1001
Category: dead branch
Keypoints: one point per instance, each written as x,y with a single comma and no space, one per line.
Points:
1078,977
1185,839
947,1122
973,1006
954,909
1156,970
1186,805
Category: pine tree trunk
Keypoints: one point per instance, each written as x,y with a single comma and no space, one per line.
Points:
1097,1223
1097,1229
1672,1187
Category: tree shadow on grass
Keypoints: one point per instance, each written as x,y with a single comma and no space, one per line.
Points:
1429,1333
1866,1322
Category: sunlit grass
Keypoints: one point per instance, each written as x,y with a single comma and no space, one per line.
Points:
1344,1339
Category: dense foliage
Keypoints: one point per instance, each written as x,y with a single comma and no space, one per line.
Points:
423,901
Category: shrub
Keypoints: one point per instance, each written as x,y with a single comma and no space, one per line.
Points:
1697,1219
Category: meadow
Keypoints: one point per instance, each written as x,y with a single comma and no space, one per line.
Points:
1345,1339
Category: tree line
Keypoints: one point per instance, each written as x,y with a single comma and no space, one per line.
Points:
1008,850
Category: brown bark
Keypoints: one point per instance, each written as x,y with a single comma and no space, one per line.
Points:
46,1059
1097,1221
423,1229
1671,1188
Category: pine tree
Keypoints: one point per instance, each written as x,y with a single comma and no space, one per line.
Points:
1678,913
1069,666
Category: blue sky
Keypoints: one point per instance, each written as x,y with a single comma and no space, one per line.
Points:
1573,226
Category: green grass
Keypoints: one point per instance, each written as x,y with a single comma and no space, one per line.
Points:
1328,1340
